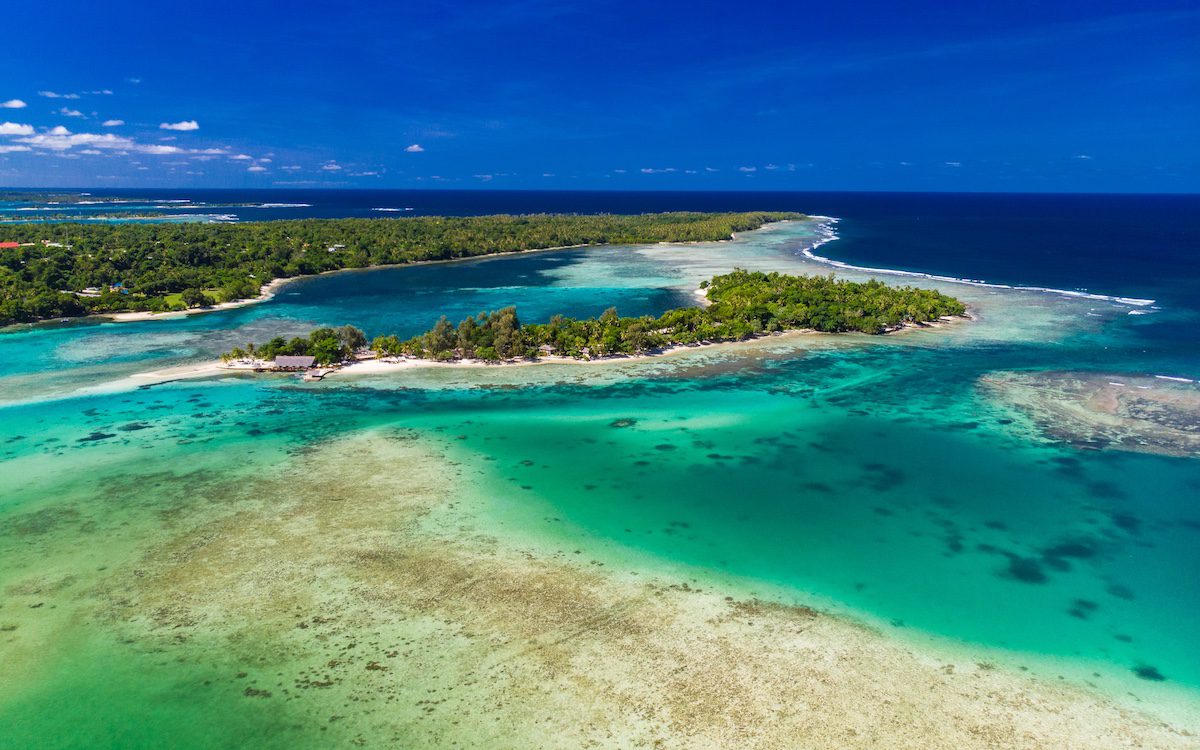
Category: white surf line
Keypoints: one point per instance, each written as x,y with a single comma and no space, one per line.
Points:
828,235
1177,380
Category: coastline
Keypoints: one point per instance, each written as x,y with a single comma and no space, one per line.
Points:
267,292
375,365
272,287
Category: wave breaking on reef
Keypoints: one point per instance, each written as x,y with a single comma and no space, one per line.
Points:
826,234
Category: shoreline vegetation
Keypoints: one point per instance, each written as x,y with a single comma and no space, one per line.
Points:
740,305
132,271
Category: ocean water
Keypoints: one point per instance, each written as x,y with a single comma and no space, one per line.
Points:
869,475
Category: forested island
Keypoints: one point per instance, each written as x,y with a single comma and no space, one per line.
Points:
742,305
69,269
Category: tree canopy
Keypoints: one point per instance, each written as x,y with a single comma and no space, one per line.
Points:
328,346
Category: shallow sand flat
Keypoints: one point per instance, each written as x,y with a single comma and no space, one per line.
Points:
1103,410
355,596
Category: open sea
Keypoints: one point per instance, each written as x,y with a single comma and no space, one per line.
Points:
879,477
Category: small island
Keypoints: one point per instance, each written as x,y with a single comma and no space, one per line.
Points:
740,305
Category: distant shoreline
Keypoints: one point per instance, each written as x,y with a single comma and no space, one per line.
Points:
272,287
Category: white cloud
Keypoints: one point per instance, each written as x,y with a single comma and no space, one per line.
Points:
416,148
15,128
255,168
91,152
954,164
68,112
113,123
159,149
747,169
103,92
59,140
376,174
181,125
332,167
484,177
52,95
772,167
13,104
292,168
1083,157
711,169
13,149
651,170
620,171
241,157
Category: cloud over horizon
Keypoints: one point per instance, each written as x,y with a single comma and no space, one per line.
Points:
13,128
181,125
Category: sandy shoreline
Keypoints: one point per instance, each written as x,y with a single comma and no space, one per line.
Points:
384,365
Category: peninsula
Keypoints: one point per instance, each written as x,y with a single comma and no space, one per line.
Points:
741,305
64,270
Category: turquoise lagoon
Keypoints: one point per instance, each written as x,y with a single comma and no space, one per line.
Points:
866,475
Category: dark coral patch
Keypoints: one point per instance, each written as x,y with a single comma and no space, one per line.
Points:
1121,592
93,437
1127,522
1025,569
1082,608
1147,672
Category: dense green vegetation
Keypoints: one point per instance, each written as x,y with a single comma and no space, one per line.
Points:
327,345
138,266
743,305
38,196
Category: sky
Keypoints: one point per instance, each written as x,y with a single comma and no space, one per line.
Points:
1052,95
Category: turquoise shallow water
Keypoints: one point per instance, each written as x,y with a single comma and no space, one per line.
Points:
872,473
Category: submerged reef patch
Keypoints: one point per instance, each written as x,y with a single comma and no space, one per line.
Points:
1105,411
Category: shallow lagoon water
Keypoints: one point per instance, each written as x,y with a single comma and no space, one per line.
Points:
866,474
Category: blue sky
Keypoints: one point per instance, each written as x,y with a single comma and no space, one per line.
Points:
1016,96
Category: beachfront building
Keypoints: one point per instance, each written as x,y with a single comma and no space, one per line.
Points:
293,363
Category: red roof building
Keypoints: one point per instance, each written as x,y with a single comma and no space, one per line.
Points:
9,245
